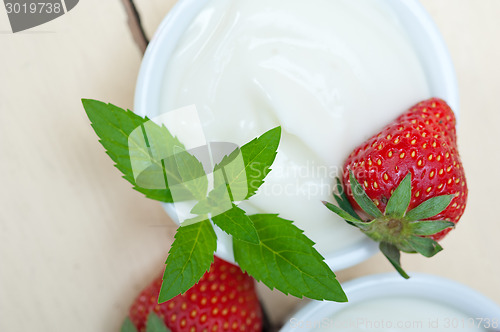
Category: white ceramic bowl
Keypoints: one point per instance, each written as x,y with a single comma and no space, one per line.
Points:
421,29
436,289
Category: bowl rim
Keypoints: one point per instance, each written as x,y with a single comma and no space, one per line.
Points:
426,286
164,41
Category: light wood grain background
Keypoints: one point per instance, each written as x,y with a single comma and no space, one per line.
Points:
77,244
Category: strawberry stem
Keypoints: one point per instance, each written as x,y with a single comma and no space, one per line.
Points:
397,229
393,255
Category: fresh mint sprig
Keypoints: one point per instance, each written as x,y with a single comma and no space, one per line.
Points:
285,259
189,258
269,248
115,128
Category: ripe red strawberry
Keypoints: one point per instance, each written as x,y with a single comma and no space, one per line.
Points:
413,160
223,300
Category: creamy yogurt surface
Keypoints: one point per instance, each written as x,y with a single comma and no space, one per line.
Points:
397,314
330,72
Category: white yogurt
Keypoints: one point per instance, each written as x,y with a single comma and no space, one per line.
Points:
398,314
330,72
388,302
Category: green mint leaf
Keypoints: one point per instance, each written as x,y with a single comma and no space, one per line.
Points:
259,155
155,324
128,326
243,170
194,220
217,202
424,245
362,198
344,215
189,258
430,208
430,227
391,252
192,174
286,259
231,172
127,136
343,201
236,223
400,199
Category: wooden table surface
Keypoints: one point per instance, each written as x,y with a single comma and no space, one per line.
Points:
77,244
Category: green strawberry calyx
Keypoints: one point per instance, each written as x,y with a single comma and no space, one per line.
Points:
397,229
153,324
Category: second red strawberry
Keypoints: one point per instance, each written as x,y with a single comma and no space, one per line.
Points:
223,300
